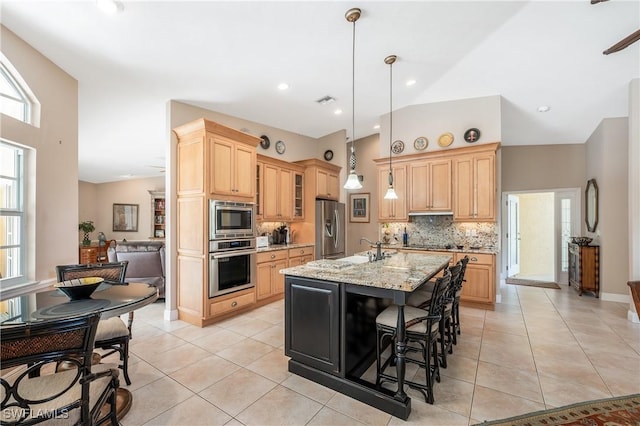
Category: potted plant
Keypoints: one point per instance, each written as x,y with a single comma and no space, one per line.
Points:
86,227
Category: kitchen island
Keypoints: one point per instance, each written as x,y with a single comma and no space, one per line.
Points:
330,312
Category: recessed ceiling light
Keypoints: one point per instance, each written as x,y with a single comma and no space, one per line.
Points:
411,82
283,86
338,111
543,108
110,7
377,126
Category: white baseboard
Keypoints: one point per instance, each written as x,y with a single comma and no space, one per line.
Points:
615,297
170,314
633,317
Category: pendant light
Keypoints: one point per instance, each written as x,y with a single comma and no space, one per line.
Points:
391,193
353,182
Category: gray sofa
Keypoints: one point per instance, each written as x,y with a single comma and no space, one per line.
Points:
146,261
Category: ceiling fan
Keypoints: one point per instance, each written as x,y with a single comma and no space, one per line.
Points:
625,42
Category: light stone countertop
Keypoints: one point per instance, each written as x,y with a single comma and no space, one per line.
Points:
401,271
274,247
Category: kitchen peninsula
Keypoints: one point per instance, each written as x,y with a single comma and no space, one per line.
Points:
330,312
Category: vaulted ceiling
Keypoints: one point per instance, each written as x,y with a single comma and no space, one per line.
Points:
230,56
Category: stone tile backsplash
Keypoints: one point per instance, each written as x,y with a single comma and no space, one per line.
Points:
442,230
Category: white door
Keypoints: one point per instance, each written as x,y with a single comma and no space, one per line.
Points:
567,214
513,235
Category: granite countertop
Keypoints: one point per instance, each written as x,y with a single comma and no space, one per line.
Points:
466,249
274,247
401,271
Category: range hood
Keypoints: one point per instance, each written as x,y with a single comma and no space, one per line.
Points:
430,213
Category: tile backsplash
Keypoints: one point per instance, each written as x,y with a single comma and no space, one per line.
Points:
442,230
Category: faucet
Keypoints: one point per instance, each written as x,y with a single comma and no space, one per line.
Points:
378,247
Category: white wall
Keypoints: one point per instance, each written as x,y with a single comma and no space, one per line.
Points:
53,204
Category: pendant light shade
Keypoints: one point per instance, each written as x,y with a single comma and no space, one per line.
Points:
391,192
353,182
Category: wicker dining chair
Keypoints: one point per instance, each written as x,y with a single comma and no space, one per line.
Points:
75,396
112,335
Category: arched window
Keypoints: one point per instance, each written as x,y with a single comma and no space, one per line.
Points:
16,99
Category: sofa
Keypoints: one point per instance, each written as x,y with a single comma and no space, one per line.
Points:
146,261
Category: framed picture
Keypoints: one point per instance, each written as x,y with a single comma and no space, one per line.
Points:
125,217
359,207
159,233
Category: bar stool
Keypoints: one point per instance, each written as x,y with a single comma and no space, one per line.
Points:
455,313
422,328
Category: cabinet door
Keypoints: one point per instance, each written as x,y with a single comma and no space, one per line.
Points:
440,185
298,196
333,186
270,209
244,162
477,286
392,210
312,323
263,284
463,188
277,279
222,166
485,187
285,194
418,186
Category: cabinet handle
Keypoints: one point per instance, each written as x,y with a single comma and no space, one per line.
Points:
234,304
474,259
273,256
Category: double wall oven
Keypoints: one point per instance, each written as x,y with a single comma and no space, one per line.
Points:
232,247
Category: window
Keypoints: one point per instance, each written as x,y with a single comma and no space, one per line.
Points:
12,215
13,101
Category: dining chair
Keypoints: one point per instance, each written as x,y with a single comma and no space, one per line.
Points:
422,329
81,395
455,313
112,334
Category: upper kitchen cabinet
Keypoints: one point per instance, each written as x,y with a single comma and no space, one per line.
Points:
474,188
323,179
280,191
392,210
214,159
430,186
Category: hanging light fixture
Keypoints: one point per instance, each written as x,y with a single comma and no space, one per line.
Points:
353,182
391,193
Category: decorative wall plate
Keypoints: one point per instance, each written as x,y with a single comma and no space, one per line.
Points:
445,139
280,147
265,142
472,135
328,155
397,147
420,143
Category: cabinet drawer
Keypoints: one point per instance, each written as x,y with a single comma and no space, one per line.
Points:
300,251
227,305
476,258
270,256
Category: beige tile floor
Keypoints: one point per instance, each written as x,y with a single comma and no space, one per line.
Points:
540,348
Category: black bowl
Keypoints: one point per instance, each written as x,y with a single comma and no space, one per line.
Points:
80,288
581,241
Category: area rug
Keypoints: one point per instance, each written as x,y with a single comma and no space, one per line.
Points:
532,283
619,411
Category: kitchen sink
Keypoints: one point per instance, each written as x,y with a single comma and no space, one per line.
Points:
354,259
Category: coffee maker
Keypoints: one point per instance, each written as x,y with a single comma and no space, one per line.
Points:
280,235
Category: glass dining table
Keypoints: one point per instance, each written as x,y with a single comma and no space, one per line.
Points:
51,304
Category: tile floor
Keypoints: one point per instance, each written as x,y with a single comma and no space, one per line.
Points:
540,348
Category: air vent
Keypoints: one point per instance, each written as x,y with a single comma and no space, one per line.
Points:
326,100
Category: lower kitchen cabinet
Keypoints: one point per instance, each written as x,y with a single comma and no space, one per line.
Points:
312,321
479,287
269,281
231,302
300,256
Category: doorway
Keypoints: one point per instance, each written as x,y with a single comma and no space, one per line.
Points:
538,226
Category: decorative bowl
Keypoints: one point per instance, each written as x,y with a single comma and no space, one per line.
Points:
581,241
79,288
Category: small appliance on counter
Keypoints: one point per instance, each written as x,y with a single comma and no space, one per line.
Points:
262,242
280,235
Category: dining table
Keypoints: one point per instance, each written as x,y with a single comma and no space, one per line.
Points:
109,300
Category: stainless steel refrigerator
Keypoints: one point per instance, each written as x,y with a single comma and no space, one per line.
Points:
330,232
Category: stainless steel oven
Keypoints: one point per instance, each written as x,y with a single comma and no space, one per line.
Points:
232,265
231,219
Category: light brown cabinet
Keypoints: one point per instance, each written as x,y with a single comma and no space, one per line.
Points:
430,186
479,287
322,179
392,210
270,282
92,254
213,161
475,187
300,256
281,191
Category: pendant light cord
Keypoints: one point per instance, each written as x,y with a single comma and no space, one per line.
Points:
390,117
353,90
